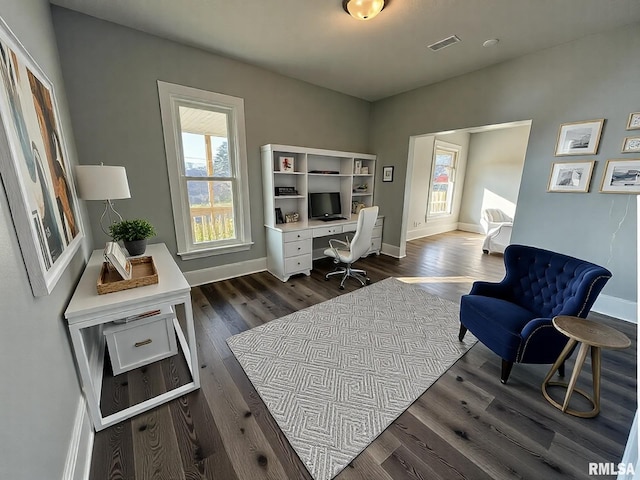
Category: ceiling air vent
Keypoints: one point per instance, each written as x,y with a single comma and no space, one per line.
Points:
444,43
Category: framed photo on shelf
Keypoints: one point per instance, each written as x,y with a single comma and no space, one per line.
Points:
621,176
357,167
631,145
114,255
570,177
287,164
579,138
35,167
634,121
387,174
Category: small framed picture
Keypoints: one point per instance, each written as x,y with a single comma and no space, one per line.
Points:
357,167
579,138
621,176
387,174
634,121
631,145
570,177
287,164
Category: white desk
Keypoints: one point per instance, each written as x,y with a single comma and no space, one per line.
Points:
88,309
290,245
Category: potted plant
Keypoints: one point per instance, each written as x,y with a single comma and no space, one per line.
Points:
133,233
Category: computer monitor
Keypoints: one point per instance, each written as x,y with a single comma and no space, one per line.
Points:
324,204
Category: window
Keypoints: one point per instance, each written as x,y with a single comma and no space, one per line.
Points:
207,164
443,177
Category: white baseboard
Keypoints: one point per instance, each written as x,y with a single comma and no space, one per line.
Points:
78,463
223,272
392,251
470,227
429,230
616,307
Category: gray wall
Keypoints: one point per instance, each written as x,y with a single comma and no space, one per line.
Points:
111,73
40,392
595,77
494,171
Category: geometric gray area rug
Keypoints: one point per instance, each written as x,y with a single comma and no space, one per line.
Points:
336,374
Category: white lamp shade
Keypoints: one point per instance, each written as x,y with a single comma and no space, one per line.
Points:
101,182
364,9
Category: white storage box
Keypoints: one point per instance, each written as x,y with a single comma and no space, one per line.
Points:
141,340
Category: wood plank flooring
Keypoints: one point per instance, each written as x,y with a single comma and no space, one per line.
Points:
467,425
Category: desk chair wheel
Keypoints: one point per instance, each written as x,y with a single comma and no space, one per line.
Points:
341,287
368,280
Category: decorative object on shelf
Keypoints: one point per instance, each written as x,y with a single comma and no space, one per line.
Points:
287,164
634,121
363,9
361,188
285,191
621,176
387,174
116,258
134,235
570,177
35,167
579,138
106,183
357,167
631,145
364,171
279,217
143,272
292,217
356,207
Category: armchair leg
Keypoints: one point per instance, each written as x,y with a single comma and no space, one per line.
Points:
462,333
561,370
506,370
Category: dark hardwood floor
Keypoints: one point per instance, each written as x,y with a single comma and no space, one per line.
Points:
467,425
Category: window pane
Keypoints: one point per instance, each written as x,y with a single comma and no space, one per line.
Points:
221,162
194,152
205,142
212,210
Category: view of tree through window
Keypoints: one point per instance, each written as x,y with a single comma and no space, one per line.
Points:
440,201
209,178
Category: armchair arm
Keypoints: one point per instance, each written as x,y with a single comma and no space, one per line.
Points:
489,289
333,247
541,342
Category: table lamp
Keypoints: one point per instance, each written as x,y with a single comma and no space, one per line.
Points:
106,183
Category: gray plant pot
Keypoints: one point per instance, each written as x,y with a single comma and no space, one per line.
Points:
136,247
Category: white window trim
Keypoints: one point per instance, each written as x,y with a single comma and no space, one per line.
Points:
441,145
171,97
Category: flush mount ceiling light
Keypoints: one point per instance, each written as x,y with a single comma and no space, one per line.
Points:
363,9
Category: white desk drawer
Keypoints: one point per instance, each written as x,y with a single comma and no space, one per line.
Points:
376,244
297,235
349,227
297,264
377,232
292,249
141,342
324,231
379,222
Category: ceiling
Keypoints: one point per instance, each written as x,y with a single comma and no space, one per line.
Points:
316,41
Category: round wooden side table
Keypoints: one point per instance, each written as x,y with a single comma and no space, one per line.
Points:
591,335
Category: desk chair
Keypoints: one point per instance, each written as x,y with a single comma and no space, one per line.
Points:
350,251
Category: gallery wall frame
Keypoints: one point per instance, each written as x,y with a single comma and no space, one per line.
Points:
387,174
634,121
621,176
570,177
579,138
34,166
631,145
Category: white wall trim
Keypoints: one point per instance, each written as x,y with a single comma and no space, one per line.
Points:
470,227
224,272
433,229
630,455
78,463
392,251
616,307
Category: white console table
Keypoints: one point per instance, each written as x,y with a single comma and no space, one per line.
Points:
88,312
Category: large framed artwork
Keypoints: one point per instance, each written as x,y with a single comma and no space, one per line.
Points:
579,138
34,167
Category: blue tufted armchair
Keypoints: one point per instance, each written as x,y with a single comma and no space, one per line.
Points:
513,317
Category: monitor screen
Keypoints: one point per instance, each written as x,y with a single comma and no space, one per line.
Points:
325,204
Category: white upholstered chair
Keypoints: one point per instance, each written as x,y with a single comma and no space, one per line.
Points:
351,250
498,226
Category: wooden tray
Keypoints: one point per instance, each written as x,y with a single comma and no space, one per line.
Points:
143,273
